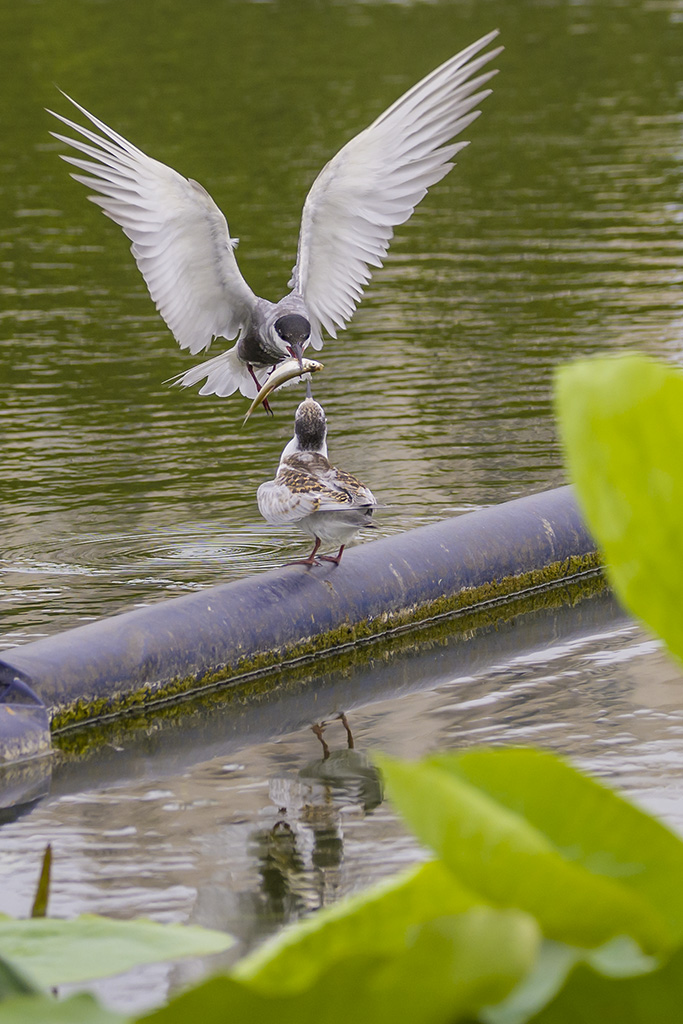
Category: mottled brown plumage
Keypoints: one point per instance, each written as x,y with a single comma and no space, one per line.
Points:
329,504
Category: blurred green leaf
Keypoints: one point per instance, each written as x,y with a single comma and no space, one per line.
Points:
13,983
80,1009
619,958
373,922
447,970
621,421
493,849
589,996
585,821
54,952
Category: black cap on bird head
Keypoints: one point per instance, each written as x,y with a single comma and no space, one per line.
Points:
295,330
310,425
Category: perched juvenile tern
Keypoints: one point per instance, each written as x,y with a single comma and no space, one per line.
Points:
323,501
183,248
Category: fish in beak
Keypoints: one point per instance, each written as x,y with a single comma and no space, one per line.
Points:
283,372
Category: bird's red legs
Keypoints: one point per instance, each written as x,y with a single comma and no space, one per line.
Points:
349,734
311,560
265,403
318,729
336,559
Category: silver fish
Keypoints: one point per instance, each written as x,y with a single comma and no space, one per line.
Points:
283,372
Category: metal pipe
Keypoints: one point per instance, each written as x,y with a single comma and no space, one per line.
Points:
258,623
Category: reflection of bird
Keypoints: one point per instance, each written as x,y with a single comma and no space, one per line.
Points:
323,501
345,771
319,729
349,777
184,251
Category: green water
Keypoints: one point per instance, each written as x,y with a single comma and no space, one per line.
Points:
557,235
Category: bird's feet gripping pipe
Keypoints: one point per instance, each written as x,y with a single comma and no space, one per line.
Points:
311,560
335,559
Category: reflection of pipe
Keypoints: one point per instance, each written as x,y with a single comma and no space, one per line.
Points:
180,645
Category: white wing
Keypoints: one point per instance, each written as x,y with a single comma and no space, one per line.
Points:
181,241
376,181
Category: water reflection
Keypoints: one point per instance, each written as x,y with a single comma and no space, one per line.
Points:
232,816
300,857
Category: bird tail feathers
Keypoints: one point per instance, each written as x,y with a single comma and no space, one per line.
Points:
224,375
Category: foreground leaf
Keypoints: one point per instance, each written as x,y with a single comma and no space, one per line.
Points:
80,1009
621,421
620,958
495,851
373,922
54,952
13,983
448,969
589,996
585,821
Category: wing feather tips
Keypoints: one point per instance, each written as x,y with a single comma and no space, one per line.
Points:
379,177
454,72
119,141
180,239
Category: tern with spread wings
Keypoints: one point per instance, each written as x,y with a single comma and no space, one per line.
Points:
183,248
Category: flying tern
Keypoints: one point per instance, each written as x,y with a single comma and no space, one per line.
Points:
184,250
